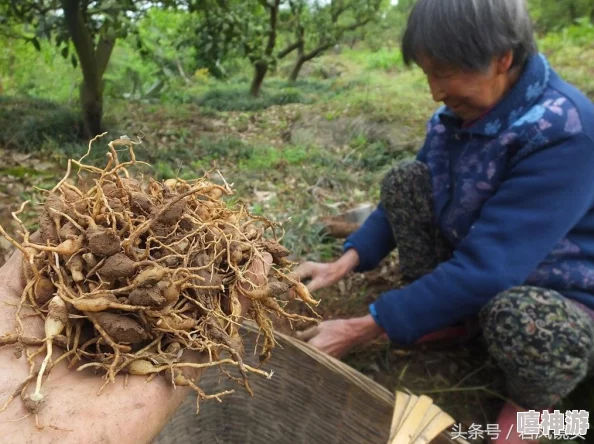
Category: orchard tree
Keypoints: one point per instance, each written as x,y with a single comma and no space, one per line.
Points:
91,28
254,27
218,31
322,25
387,31
249,28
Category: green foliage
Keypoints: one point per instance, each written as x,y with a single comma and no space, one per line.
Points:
554,15
249,157
227,148
385,60
571,52
163,40
404,101
238,98
111,19
320,26
373,155
581,33
130,76
220,30
224,31
234,95
26,71
181,42
28,124
90,28
385,31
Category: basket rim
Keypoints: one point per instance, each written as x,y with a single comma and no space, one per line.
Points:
354,376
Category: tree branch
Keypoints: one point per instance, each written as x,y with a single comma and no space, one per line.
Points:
338,12
27,9
354,26
289,49
317,51
328,44
103,54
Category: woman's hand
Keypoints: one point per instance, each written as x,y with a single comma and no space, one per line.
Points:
325,275
135,413
338,337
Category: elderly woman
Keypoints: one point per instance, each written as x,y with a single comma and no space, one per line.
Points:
494,219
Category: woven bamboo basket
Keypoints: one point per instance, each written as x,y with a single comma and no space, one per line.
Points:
311,398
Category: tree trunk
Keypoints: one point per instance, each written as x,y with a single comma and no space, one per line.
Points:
93,63
261,66
302,58
260,70
91,100
297,69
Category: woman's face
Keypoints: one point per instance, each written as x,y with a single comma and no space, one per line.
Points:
469,94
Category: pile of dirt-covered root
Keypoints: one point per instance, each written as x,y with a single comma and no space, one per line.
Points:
131,275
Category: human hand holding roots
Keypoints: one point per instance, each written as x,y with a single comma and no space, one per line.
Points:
127,278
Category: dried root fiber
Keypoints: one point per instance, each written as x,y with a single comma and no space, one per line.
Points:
127,274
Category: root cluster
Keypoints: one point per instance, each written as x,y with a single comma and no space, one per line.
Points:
127,274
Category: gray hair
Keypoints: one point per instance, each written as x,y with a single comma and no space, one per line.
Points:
468,33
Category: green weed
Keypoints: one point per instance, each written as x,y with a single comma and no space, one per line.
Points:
26,124
234,95
373,155
385,60
237,98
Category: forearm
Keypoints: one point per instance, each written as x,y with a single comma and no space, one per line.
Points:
364,329
373,241
347,263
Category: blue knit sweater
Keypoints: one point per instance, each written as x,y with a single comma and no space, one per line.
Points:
513,194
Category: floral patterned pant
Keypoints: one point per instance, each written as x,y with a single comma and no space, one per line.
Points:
541,340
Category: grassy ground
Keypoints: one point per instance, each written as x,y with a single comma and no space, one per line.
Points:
298,153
